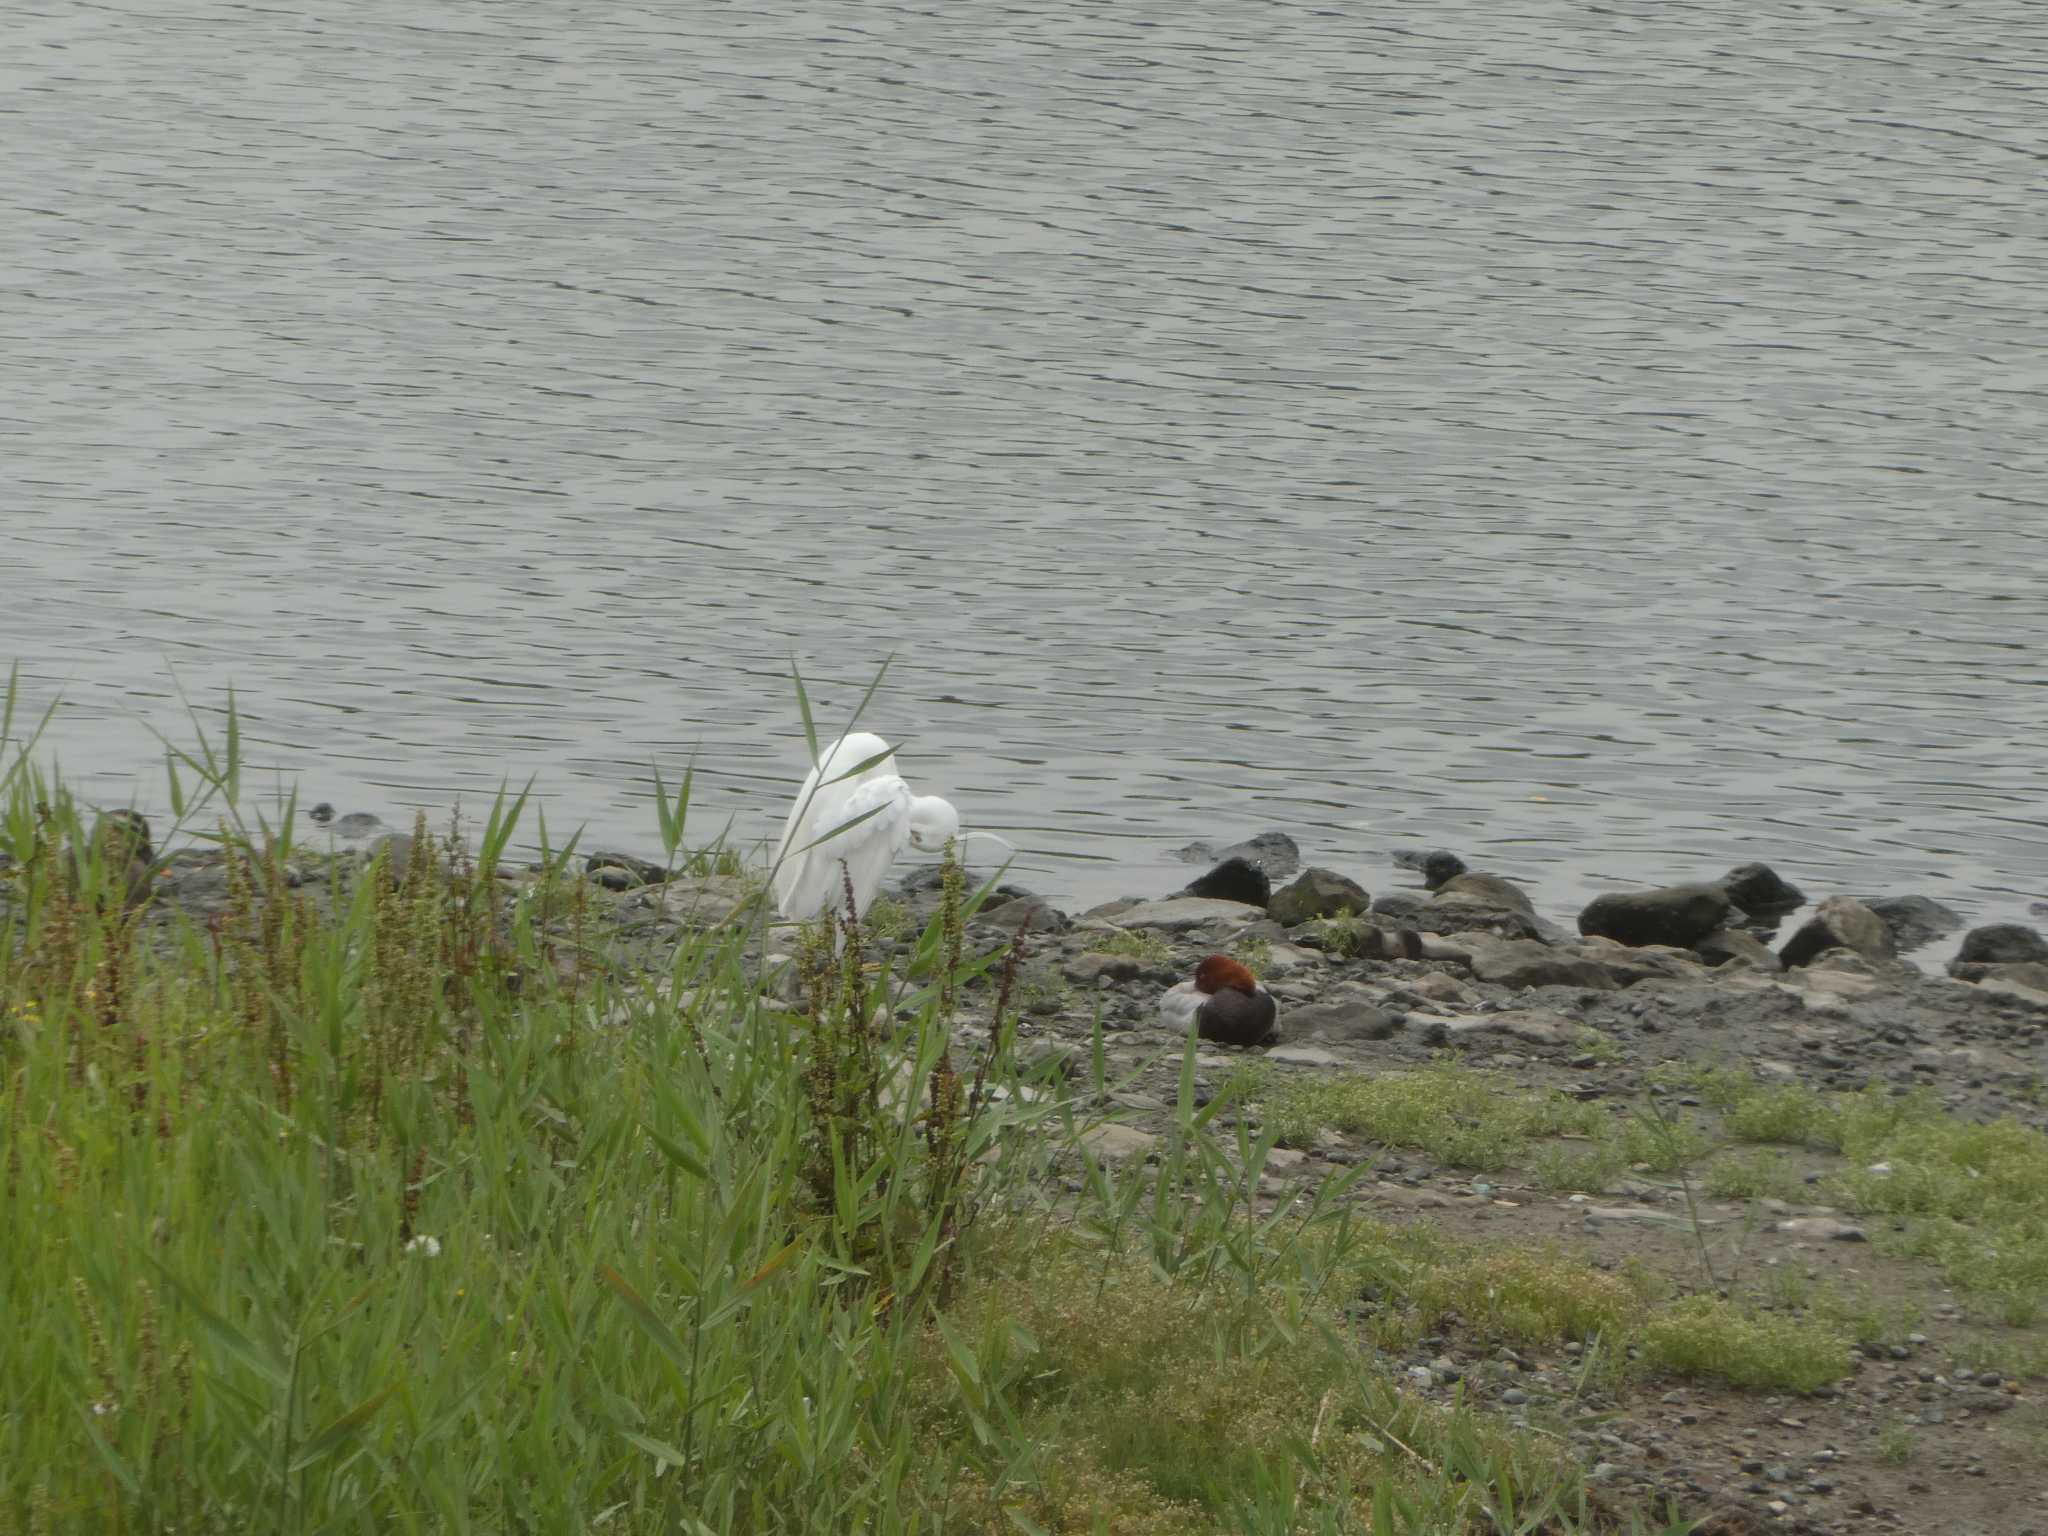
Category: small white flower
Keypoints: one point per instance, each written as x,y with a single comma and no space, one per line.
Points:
101,1410
424,1244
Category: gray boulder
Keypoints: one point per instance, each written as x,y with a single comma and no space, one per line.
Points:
1524,963
1345,1014
1724,945
2002,944
1474,888
1842,922
1914,920
1677,915
1318,893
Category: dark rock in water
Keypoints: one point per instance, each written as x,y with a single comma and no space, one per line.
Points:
1475,917
1235,879
1842,922
1727,944
2002,944
1435,865
642,871
1524,963
1759,888
2038,908
1677,915
1482,890
323,813
1914,920
1318,893
1274,852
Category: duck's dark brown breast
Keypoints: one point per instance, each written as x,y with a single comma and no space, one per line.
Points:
1231,1017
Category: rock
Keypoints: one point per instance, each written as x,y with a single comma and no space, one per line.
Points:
1318,893
1537,1026
1914,920
1409,908
2025,983
1234,879
1483,890
696,901
2002,944
1091,966
1441,987
1827,1228
1117,1143
1841,922
1524,963
1617,1215
1347,1013
644,871
1628,964
1274,852
1759,888
1677,915
1303,1055
1014,913
1728,944
1177,914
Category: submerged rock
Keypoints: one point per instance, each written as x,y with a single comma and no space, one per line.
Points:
1274,852
1760,889
1234,879
1914,920
1318,893
1677,915
2002,944
1842,922
1477,889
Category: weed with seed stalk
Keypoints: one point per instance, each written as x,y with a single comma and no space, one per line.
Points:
1895,1443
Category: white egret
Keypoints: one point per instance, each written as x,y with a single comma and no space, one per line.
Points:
1225,1003
808,872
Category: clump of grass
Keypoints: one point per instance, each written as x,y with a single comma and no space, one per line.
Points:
1752,1176
1591,1169
1255,954
1706,1336
1138,944
1459,1116
1347,935
1895,1443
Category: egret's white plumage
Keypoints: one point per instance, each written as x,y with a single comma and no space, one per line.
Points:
808,875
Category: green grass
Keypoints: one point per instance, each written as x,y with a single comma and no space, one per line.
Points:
1973,1195
347,1214
1138,944
1458,1116
1707,1337
1753,1175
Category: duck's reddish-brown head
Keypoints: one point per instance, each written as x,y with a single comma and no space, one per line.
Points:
1220,972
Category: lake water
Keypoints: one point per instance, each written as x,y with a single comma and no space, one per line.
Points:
1606,440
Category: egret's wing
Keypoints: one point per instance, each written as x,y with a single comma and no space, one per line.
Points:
813,811
810,880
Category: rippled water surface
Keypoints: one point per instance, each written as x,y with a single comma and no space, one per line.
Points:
1605,440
